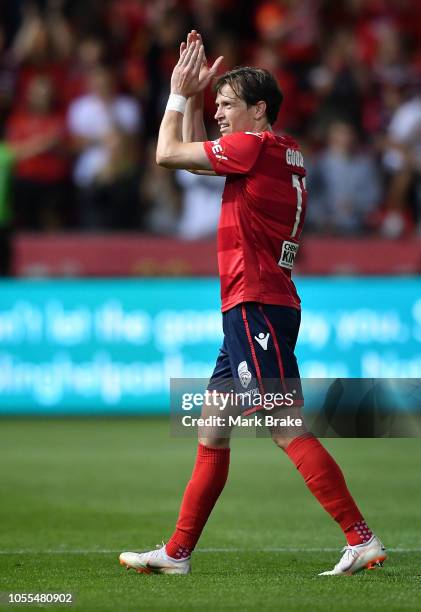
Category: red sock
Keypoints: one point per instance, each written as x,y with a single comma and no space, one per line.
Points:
325,480
207,481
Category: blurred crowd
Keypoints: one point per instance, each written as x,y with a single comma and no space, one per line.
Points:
83,85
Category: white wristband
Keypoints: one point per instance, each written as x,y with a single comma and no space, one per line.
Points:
176,103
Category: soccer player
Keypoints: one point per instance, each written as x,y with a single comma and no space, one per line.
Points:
263,209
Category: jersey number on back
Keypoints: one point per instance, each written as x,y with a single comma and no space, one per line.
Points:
298,182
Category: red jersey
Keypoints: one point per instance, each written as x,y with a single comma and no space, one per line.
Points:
50,166
262,215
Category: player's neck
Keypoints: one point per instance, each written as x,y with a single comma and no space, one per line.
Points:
261,127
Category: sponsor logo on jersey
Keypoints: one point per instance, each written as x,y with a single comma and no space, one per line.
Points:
294,158
288,254
244,374
262,339
217,150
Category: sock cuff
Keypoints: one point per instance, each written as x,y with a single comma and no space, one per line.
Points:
298,441
206,454
178,552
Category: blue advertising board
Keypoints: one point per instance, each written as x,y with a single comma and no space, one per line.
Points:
111,346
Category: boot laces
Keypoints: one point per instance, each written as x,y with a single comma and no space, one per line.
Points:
156,554
349,555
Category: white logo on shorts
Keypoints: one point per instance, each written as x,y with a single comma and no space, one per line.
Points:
244,374
262,340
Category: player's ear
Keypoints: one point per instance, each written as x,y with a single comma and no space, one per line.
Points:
260,109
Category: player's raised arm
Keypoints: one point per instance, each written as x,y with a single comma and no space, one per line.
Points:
171,151
194,129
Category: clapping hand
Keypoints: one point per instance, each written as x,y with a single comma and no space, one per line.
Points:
192,75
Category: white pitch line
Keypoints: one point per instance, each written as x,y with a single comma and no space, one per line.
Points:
199,550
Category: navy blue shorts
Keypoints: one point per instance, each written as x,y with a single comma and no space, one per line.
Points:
258,351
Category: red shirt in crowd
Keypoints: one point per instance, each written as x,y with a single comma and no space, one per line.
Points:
50,166
262,215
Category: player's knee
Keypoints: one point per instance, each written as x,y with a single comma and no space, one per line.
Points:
281,440
215,442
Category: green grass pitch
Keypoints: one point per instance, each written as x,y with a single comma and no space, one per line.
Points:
76,492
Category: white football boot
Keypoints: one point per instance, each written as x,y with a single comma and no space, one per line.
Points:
369,555
154,562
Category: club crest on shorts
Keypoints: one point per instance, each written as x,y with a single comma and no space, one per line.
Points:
244,374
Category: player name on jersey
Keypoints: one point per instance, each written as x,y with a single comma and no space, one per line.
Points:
294,158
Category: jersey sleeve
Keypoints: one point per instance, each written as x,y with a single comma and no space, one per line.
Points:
235,153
